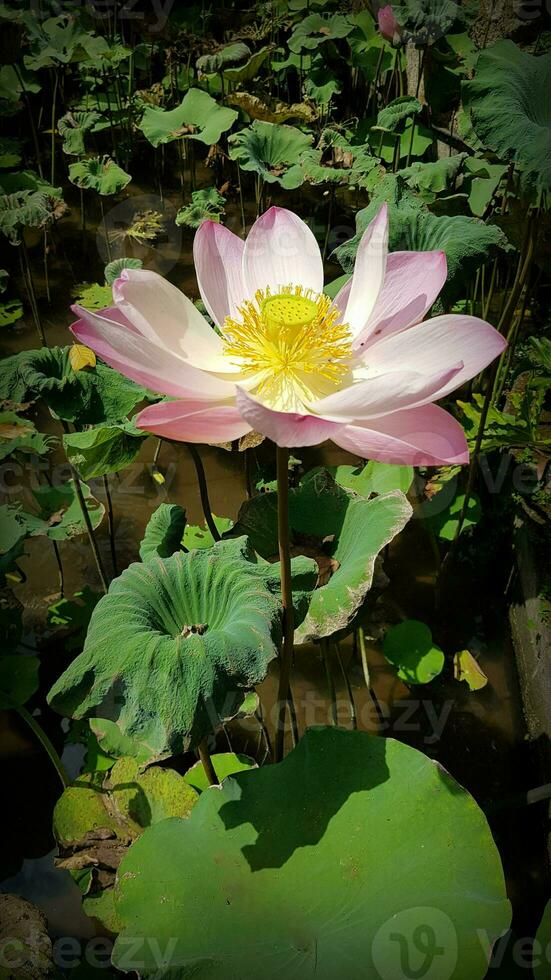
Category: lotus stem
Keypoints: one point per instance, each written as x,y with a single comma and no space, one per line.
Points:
45,742
344,672
54,97
206,762
367,677
29,286
60,568
105,232
31,119
111,522
282,458
203,491
330,681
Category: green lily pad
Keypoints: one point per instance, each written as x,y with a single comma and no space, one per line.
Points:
355,531
292,870
250,69
103,449
206,205
124,800
225,764
230,54
164,532
93,296
18,679
176,642
271,150
425,21
95,395
59,515
510,111
199,536
316,29
100,174
373,477
409,647
198,117
431,179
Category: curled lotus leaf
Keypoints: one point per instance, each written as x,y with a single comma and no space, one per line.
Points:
100,174
510,110
272,110
231,54
315,29
343,531
272,151
176,643
312,866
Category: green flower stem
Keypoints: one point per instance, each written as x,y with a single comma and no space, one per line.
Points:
282,456
111,521
203,491
206,762
367,677
330,681
41,736
29,285
353,718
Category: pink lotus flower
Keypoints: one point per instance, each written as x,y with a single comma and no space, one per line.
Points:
362,371
388,25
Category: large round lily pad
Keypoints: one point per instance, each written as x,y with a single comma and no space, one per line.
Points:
354,856
272,151
510,108
176,642
344,531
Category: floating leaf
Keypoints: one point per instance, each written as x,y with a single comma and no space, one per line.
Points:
198,117
60,516
291,870
509,109
466,668
100,174
344,532
196,536
18,679
206,205
81,357
373,477
205,625
103,449
225,764
271,151
99,815
410,648
164,532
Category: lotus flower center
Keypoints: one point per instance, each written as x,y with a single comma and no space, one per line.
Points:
291,344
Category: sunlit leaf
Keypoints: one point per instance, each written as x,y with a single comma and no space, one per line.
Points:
198,117
466,668
164,532
410,648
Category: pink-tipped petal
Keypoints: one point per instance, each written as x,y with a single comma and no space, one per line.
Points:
384,394
426,436
435,345
369,273
412,283
285,428
166,317
187,421
143,361
280,251
218,258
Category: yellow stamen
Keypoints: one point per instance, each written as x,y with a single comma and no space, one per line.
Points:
292,341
